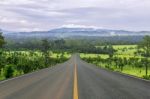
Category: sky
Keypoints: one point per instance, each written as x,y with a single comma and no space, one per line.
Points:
39,15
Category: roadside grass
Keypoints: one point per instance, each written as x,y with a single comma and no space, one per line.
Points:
19,61
139,72
122,51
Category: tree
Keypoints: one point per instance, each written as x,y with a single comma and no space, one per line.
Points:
145,50
2,41
111,51
121,64
45,48
9,70
111,54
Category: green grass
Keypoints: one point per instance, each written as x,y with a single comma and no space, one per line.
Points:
124,46
83,55
127,50
55,55
123,51
139,72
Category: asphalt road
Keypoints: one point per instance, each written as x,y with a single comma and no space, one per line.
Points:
74,79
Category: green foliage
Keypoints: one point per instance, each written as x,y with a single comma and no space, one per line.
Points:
9,70
2,41
76,44
146,77
145,46
45,48
15,63
124,60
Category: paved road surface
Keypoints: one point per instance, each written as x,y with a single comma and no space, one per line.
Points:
74,79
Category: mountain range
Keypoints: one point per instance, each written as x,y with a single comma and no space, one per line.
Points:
71,32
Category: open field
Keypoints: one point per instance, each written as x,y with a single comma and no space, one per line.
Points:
39,53
125,49
83,55
121,51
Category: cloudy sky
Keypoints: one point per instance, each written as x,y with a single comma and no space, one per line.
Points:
33,15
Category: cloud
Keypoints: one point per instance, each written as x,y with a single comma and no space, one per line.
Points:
14,2
78,26
47,14
5,20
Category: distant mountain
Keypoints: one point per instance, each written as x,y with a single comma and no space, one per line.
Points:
73,32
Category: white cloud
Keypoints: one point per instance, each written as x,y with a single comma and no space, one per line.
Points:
14,2
14,21
28,29
79,26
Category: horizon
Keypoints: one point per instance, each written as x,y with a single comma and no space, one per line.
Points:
92,27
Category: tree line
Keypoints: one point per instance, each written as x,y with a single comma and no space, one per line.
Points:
58,45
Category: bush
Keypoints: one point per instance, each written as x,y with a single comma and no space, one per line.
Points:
146,77
9,70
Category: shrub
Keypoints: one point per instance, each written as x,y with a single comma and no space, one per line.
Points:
9,70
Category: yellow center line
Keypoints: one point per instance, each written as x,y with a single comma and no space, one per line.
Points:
75,90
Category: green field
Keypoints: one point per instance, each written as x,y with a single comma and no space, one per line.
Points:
122,51
83,55
128,69
39,53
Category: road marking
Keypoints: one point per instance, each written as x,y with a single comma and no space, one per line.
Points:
75,90
62,90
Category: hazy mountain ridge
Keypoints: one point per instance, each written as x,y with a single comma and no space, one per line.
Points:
70,32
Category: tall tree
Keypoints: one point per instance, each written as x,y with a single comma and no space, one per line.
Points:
111,51
45,50
145,49
9,71
2,41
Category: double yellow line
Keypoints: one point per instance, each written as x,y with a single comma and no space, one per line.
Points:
75,89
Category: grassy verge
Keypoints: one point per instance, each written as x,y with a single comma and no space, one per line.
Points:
15,63
130,63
